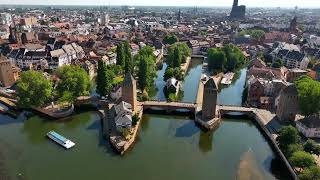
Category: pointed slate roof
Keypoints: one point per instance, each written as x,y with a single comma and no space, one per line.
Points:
210,84
128,79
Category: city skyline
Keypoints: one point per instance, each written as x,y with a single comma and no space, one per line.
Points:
209,3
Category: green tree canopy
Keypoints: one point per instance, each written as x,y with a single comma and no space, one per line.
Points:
277,63
104,79
302,159
288,135
216,59
308,95
146,67
173,72
128,61
33,89
228,58
177,54
73,80
170,39
312,173
256,34
120,55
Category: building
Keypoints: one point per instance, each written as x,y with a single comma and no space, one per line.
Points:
123,118
209,100
287,106
7,77
129,91
105,19
172,85
238,12
255,92
294,74
116,93
58,58
5,19
309,126
29,22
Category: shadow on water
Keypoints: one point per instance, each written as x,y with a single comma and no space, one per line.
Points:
7,119
187,130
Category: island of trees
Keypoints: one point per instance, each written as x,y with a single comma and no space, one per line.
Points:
177,55
225,59
142,66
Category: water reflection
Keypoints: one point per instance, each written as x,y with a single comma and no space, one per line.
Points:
205,141
248,168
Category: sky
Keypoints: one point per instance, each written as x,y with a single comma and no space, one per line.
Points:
218,3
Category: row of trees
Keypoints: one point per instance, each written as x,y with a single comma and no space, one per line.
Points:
170,39
256,34
146,67
227,58
177,54
308,95
124,57
300,156
35,90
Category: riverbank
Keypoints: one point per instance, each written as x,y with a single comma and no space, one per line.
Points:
122,144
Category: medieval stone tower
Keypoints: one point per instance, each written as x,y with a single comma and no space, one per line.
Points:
129,91
210,92
288,107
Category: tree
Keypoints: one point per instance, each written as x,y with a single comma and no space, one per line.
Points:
120,55
292,148
177,54
135,119
146,68
216,59
173,72
168,74
288,135
73,80
170,39
33,89
104,79
128,63
308,95
310,146
302,159
312,173
277,63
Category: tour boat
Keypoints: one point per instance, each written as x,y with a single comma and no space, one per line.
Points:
66,143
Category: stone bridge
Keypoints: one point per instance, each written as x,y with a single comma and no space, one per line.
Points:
169,106
193,107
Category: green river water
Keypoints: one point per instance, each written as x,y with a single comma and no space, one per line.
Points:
168,147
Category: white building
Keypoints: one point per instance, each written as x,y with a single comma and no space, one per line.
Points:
58,58
309,126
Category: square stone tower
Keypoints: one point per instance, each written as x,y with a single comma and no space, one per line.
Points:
209,101
6,74
129,91
288,104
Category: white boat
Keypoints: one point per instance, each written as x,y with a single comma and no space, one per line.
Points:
66,143
227,79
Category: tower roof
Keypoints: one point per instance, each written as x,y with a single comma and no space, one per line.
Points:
210,84
128,79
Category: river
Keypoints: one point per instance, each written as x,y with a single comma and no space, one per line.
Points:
168,147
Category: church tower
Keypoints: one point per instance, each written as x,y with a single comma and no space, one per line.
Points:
129,91
210,92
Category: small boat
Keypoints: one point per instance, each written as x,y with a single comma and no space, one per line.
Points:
227,79
66,143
